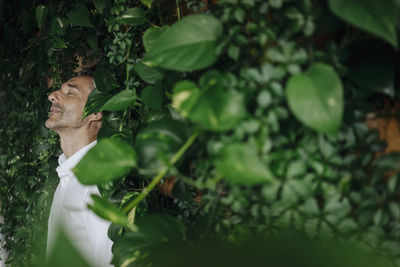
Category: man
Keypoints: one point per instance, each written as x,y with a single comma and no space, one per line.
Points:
86,231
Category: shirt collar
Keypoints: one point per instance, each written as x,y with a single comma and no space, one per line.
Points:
67,164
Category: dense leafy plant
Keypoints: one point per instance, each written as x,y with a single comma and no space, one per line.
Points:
255,107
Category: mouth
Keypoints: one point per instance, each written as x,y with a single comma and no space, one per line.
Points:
54,111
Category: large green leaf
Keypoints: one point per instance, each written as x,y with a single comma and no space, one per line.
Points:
151,35
213,109
240,164
158,142
109,212
156,235
120,101
376,17
41,13
106,161
133,16
187,45
148,74
152,96
95,101
64,254
316,98
80,15
104,80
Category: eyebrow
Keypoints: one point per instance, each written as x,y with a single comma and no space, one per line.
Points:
73,86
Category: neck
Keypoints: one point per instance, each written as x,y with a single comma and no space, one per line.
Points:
73,141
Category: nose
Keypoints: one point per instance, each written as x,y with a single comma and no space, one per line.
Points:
53,97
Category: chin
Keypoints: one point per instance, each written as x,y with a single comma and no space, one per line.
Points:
50,124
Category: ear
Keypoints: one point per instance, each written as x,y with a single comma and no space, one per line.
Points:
98,116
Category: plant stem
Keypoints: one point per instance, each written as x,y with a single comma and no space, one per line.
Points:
161,174
178,11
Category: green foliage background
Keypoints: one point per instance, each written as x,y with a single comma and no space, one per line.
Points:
259,106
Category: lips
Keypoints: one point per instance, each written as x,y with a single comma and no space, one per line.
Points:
54,110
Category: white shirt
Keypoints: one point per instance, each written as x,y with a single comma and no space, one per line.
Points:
86,231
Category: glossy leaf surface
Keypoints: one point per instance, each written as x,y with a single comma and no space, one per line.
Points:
106,161
148,74
187,45
120,101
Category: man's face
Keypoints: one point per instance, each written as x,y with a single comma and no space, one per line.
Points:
68,104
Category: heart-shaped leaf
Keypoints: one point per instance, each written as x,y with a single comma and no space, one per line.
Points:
240,164
316,98
187,45
80,15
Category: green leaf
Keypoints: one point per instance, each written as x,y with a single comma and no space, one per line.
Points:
213,109
41,13
109,212
148,74
120,101
151,35
95,101
316,98
80,15
59,44
240,164
64,254
147,2
100,5
157,142
133,16
376,17
155,238
106,161
91,39
105,82
152,96
189,44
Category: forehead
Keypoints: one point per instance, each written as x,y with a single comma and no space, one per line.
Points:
84,83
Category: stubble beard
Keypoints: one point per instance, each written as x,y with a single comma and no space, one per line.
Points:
62,124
